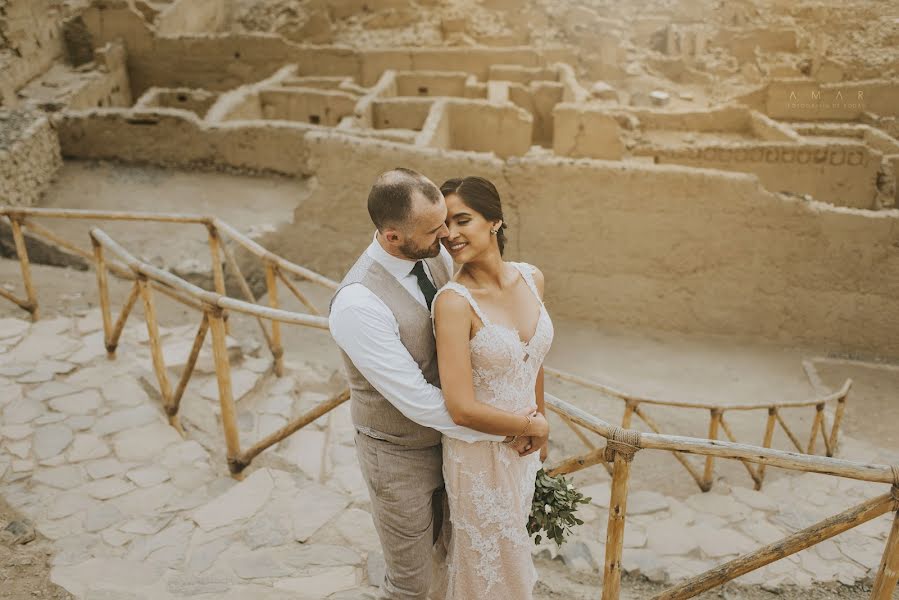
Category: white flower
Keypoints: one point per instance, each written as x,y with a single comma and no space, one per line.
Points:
570,487
547,508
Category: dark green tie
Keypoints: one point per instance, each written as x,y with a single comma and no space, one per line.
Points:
424,284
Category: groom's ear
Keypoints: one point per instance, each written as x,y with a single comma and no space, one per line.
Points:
391,235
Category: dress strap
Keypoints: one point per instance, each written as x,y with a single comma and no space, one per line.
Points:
527,273
463,291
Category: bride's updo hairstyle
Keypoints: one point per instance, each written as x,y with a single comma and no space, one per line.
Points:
481,196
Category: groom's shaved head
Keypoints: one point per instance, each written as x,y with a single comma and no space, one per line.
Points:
390,199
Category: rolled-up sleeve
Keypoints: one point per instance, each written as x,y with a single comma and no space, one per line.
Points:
366,330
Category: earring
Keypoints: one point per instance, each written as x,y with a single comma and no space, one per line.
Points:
493,232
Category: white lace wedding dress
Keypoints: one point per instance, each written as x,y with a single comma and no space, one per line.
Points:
489,486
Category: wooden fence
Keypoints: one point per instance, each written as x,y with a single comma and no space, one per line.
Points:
622,443
635,405
108,256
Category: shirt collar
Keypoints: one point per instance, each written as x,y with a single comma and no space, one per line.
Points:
398,267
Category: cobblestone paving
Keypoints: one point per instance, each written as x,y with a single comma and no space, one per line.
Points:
136,512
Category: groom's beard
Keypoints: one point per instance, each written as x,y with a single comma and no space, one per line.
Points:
415,253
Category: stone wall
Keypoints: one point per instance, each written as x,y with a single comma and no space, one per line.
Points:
193,16
324,107
195,101
212,62
742,43
715,253
476,61
731,119
401,113
221,62
430,83
172,137
32,30
842,173
539,98
478,126
583,132
29,157
109,85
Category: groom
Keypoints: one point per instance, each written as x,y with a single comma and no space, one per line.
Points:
381,320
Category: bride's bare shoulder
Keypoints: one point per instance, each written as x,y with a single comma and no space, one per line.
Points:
539,280
537,276
451,304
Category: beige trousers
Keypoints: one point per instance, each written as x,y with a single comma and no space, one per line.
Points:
409,512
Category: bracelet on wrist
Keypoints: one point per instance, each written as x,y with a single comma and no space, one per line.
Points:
526,427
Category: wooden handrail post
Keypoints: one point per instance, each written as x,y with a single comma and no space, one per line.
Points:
788,431
835,428
650,422
626,419
226,395
888,573
172,407
296,292
165,388
218,271
731,437
271,282
244,288
113,342
24,265
611,584
103,286
580,434
769,435
309,416
714,420
817,423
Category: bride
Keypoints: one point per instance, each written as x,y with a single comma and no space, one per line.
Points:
492,333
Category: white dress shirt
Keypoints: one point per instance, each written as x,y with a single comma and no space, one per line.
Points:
365,328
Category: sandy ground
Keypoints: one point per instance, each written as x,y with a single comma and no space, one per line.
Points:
583,586
705,369
664,364
656,364
25,569
248,203
688,368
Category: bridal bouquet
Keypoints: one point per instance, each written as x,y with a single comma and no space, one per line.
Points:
552,512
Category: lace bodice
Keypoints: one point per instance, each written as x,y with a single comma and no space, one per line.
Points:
489,487
504,366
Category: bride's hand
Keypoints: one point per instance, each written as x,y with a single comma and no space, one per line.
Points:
537,444
521,445
539,427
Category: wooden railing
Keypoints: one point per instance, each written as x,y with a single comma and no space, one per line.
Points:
148,279
621,445
635,405
213,306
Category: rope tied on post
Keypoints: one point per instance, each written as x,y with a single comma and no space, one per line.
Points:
625,442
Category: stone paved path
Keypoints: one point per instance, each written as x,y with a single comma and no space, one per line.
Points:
136,512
